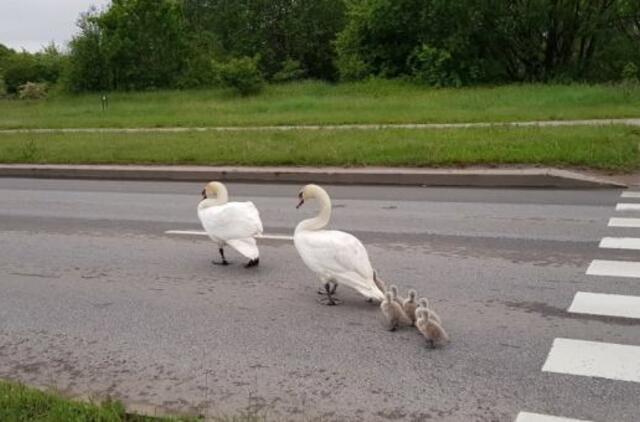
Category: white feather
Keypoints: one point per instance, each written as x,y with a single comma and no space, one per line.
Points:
340,257
235,224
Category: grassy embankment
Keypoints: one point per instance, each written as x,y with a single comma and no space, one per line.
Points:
611,148
19,403
321,103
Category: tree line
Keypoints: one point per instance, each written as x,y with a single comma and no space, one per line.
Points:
147,44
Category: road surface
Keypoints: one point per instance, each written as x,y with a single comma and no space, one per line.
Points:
97,300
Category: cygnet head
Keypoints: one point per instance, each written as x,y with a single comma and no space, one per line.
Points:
423,302
412,295
422,313
309,192
393,289
388,296
212,190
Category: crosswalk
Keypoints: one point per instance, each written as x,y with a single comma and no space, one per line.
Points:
579,357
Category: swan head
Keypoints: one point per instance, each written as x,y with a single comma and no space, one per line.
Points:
310,192
412,295
213,189
423,303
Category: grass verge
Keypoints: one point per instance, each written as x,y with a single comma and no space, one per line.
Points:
375,101
19,403
614,148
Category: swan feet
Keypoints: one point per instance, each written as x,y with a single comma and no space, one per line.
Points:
252,263
328,292
329,301
224,261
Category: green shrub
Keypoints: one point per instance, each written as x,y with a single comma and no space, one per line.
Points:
630,72
291,71
433,66
32,91
241,74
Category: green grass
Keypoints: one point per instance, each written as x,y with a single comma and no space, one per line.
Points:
610,148
321,103
19,403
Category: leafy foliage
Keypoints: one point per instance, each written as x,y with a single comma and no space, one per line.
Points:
241,74
32,91
20,68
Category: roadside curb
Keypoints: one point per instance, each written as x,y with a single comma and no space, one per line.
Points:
526,177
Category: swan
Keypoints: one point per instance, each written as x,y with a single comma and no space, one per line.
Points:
230,223
432,331
337,258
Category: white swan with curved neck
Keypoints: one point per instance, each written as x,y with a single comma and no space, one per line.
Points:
230,223
335,256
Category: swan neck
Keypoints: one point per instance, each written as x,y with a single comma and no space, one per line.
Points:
322,219
222,197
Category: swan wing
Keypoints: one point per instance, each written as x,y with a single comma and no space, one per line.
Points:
246,247
233,220
338,256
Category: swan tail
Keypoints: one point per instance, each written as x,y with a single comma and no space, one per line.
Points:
246,247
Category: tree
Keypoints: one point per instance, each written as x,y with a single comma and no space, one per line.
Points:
280,31
88,69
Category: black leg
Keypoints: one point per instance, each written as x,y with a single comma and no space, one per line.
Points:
252,263
329,299
224,261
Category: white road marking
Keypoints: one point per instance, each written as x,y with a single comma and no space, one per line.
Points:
627,207
202,233
620,243
624,222
594,359
537,417
614,268
606,304
628,194
186,232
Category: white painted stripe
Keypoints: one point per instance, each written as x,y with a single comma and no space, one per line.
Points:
614,268
594,359
606,305
537,417
627,207
628,194
275,237
620,243
624,222
186,232
202,233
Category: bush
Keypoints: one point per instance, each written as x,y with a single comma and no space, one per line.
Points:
291,71
241,74
630,72
32,91
20,68
433,66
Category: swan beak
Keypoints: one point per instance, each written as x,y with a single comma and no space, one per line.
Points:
204,194
300,203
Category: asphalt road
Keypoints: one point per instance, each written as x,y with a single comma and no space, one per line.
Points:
95,299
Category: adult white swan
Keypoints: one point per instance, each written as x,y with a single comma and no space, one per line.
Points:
230,223
336,257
